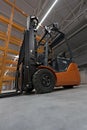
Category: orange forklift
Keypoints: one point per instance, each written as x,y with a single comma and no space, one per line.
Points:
37,69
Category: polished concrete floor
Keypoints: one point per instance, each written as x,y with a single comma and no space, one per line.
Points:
59,110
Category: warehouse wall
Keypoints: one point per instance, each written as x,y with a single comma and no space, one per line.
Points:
83,74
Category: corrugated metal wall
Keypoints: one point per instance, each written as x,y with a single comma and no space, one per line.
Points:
83,74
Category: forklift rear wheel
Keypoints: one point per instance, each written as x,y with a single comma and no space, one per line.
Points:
68,87
43,81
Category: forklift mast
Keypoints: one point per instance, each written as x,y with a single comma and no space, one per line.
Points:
27,57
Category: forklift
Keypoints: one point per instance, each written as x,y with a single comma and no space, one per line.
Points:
36,69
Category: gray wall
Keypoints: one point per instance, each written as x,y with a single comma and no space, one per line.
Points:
83,74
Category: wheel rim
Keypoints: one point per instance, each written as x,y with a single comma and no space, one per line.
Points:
46,81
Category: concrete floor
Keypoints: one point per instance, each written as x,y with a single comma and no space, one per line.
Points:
59,110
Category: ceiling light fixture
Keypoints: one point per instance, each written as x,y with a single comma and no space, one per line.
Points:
49,10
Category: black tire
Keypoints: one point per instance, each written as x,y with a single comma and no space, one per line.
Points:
43,81
68,87
28,90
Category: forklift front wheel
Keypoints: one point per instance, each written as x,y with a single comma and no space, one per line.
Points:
43,81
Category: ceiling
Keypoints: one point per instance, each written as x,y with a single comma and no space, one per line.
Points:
70,14
64,11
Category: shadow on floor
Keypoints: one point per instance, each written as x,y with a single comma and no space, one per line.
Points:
11,94
56,89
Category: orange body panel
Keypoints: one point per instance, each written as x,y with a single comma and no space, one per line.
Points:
69,77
